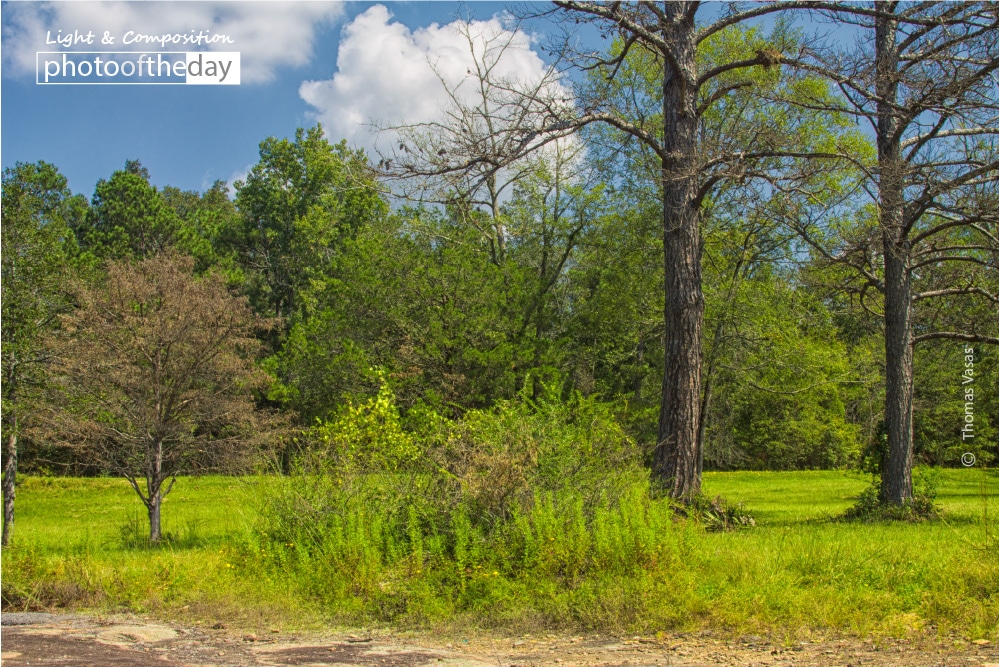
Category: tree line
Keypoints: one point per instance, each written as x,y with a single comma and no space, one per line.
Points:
758,250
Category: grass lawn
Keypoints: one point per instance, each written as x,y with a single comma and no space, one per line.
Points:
782,498
58,515
78,543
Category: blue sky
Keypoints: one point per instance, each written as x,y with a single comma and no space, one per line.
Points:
345,64
189,136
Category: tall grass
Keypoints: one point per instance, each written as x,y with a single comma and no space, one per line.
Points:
632,566
530,517
539,515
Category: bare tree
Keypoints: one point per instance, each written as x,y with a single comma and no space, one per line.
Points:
156,371
465,158
925,81
536,209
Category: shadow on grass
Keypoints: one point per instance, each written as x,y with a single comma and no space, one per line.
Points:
134,536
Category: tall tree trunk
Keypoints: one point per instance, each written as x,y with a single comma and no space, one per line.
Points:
676,464
896,472
9,479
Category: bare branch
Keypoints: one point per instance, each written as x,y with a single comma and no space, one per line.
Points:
954,335
955,291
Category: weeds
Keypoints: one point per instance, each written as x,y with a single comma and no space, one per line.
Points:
426,542
512,518
717,514
922,506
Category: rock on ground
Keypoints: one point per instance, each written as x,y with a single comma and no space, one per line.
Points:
66,640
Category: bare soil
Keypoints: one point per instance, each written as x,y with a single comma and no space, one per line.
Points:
125,641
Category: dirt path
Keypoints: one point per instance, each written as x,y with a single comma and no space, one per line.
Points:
79,641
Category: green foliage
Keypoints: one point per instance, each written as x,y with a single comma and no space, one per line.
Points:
780,390
633,568
717,514
489,465
128,218
480,388
939,405
418,295
296,207
778,378
615,324
870,505
206,222
367,436
38,213
498,461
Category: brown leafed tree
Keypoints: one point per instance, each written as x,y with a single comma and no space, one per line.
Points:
155,374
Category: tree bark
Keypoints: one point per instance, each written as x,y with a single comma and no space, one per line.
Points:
896,469
155,503
896,472
154,485
676,464
9,479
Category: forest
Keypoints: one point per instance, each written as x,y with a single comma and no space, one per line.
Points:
724,243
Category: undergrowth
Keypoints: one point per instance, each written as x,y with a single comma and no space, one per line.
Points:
871,506
535,516
539,514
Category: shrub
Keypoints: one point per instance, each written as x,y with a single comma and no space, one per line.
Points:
391,523
497,461
871,507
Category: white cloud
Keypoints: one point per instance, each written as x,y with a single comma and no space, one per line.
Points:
239,175
268,35
385,73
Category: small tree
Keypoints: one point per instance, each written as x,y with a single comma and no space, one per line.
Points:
156,371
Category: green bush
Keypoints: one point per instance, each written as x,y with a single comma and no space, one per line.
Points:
458,514
870,505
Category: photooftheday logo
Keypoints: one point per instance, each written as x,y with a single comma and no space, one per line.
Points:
212,68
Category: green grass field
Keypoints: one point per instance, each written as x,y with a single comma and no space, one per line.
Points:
79,544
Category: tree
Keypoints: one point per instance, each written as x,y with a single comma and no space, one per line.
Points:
128,217
462,160
556,209
296,206
207,220
416,295
690,164
926,84
701,136
533,213
156,369
38,210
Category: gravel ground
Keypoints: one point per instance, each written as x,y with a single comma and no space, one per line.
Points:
124,641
